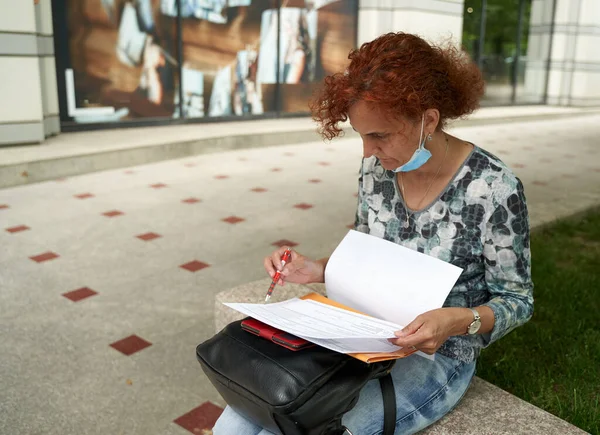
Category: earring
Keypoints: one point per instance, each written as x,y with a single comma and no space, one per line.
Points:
429,138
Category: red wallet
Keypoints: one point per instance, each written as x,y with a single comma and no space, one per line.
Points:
275,335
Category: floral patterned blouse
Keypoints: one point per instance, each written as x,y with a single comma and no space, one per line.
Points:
479,223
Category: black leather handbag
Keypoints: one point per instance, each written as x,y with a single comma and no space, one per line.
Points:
288,392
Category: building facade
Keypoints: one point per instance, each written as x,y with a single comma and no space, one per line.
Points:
83,64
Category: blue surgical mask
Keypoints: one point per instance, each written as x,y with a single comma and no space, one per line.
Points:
419,157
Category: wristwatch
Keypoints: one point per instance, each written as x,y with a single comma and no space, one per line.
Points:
475,324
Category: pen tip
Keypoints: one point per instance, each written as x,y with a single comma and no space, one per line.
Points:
267,298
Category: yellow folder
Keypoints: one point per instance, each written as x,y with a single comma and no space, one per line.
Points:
365,357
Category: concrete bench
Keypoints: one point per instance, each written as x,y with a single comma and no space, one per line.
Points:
485,409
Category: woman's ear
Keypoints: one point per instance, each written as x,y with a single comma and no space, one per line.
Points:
432,120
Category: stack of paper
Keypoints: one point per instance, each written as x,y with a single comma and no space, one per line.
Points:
389,283
328,326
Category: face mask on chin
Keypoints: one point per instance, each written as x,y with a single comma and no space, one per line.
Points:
419,157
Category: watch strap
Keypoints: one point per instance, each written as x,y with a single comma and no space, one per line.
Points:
476,318
476,315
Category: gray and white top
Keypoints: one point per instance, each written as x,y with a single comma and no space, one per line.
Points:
479,223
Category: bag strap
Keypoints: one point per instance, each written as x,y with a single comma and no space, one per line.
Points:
389,404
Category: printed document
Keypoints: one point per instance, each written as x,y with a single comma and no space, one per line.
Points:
331,327
388,283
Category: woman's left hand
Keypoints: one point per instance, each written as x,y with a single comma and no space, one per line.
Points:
431,329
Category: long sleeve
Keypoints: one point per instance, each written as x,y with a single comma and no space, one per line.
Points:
361,221
508,264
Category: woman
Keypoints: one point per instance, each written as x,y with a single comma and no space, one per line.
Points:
427,190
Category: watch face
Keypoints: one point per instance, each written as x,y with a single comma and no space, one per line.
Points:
474,327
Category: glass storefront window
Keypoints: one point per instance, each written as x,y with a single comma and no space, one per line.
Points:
122,61
236,58
496,33
314,44
499,50
472,21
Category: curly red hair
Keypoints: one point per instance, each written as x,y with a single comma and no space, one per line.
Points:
405,75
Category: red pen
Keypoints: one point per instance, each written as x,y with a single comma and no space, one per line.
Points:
287,254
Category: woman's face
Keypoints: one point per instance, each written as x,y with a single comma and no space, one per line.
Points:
392,141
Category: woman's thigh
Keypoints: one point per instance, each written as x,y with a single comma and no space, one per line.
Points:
425,391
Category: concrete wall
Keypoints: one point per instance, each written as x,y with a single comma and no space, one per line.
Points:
29,110
434,20
574,75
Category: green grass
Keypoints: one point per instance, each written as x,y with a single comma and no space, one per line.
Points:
553,361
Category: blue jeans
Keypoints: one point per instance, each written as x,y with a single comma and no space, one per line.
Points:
425,391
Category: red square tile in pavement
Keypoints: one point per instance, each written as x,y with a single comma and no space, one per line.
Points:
276,170
201,419
18,229
259,189
194,266
314,180
303,206
130,345
221,177
324,163
46,256
233,220
84,196
3,206
112,213
519,165
79,294
148,236
191,200
158,185
284,242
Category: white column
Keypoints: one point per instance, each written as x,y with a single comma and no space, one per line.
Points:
434,20
574,73
29,110
45,42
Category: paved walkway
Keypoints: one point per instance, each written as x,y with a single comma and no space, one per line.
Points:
107,280
71,154
90,142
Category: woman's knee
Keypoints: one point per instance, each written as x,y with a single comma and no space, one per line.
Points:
418,404
230,422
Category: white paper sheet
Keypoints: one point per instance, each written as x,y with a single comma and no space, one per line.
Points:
386,280
331,327
311,319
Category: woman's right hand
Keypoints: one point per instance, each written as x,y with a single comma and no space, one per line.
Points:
299,269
